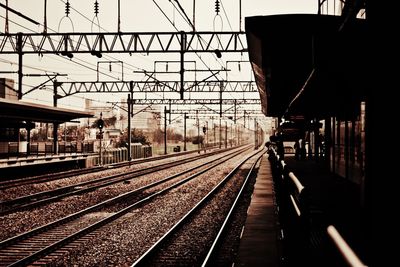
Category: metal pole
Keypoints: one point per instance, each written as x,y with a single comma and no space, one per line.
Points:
28,139
234,118
129,129
55,125
237,133
231,135
198,131
182,71
45,17
215,138
220,134
20,74
101,141
65,137
6,24
169,116
194,15
240,15
165,130
119,16
101,152
207,133
184,132
226,134
221,85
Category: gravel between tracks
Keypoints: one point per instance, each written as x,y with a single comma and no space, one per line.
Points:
22,190
19,222
122,242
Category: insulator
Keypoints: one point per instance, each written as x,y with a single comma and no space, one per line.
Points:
217,6
67,8
96,8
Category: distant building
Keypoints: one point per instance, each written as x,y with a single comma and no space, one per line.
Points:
7,90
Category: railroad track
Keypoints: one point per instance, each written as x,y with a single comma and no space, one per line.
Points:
5,184
48,242
176,247
45,197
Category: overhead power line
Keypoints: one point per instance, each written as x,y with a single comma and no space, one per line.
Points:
20,14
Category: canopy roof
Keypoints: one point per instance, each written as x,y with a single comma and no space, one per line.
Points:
15,113
307,64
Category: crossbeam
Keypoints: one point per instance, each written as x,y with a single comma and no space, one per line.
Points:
120,42
71,88
187,102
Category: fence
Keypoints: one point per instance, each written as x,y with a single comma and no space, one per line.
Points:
20,149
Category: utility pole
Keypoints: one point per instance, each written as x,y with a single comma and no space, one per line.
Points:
20,74
129,129
221,86
165,130
198,131
182,71
220,134
207,132
231,135
215,138
100,125
226,134
130,116
55,125
184,132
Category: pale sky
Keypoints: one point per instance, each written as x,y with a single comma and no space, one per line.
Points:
136,16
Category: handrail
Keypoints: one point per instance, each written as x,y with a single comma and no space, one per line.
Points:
296,181
346,251
348,254
283,163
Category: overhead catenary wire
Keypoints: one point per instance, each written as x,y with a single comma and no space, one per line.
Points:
227,18
79,61
81,64
187,19
201,39
185,16
46,71
100,27
59,55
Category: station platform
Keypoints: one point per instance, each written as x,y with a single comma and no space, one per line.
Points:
34,165
334,200
259,245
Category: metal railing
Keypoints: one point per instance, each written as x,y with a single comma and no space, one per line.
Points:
299,220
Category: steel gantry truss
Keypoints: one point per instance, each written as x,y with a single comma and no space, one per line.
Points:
71,88
68,44
131,42
239,102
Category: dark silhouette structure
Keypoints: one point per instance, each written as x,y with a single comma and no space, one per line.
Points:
330,75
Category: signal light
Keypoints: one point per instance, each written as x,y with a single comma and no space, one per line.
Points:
100,124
